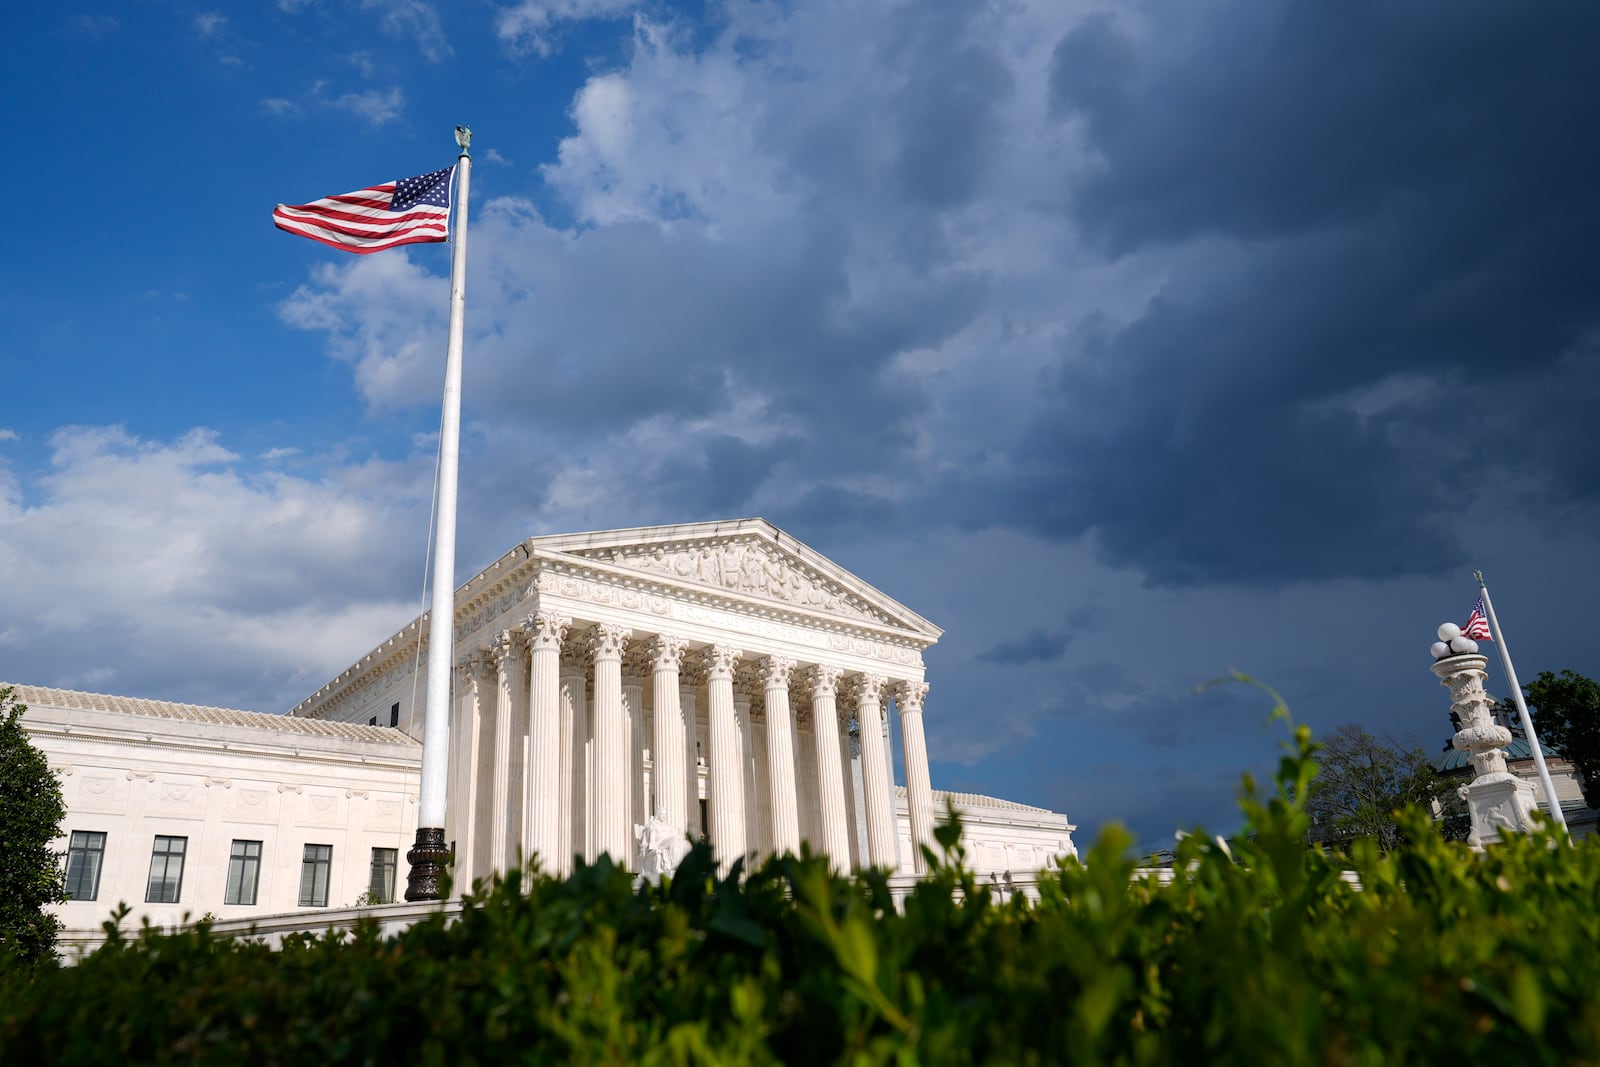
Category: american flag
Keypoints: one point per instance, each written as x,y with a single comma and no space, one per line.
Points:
1477,626
404,212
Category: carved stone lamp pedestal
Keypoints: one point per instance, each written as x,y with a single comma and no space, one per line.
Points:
1497,800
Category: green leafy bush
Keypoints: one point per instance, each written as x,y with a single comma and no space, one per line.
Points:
1267,955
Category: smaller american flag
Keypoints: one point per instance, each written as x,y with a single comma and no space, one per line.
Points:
1477,626
404,212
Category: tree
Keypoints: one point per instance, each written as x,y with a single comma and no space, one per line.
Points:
1566,713
1364,780
30,820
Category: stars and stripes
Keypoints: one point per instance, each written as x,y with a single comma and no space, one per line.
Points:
408,211
1477,625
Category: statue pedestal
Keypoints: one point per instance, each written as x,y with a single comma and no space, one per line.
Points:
1498,805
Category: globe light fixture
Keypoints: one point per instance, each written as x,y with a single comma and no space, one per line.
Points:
1449,631
1440,650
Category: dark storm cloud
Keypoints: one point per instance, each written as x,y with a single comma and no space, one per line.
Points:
1038,645
1380,221
833,511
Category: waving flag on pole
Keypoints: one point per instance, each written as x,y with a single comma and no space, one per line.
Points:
408,211
1477,626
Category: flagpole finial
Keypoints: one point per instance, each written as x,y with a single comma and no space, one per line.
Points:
1478,575
464,139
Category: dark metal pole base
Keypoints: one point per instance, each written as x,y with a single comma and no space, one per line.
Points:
428,858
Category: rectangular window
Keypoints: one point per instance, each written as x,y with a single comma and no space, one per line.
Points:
394,715
166,870
244,873
385,861
85,854
315,870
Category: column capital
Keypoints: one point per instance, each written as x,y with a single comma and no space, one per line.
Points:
508,646
721,661
666,651
775,671
607,640
908,695
636,663
824,679
869,688
546,629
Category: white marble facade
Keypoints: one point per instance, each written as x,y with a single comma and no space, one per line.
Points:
161,796
715,679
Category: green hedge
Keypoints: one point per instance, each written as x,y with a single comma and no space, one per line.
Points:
1264,956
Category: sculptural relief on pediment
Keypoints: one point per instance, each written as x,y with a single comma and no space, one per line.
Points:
748,567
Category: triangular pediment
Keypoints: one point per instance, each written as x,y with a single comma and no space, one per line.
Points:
748,558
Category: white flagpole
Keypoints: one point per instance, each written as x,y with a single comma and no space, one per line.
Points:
1522,707
430,854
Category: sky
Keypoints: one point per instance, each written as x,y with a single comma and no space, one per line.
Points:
1130,343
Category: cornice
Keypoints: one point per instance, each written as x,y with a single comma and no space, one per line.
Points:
411,762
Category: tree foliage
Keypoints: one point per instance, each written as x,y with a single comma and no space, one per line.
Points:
1364,779
1270,952
30,820
1566,713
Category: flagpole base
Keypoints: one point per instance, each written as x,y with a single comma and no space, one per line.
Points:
429,857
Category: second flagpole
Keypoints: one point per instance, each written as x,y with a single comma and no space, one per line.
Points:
429,855
1522,707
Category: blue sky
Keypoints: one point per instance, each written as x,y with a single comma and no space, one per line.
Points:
1129,343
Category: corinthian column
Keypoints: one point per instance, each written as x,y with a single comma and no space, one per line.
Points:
727,775
510,740
637,799
574,766
830,770
919,785
666,750
542,822
607,796
875,772
775,671
691,755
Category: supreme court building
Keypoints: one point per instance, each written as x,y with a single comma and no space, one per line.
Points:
613,693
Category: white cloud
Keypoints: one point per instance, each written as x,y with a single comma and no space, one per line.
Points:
8,434
362,61
413,19
373,106
529,26
277,105
209,23
494,156
96,26
256,584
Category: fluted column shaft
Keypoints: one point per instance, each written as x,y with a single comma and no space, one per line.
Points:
875,773
753,758
574,768
666,749
830,769
541,836
691,757
727,774
908,698
633,723
775,671
608,796
510,743
855,814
